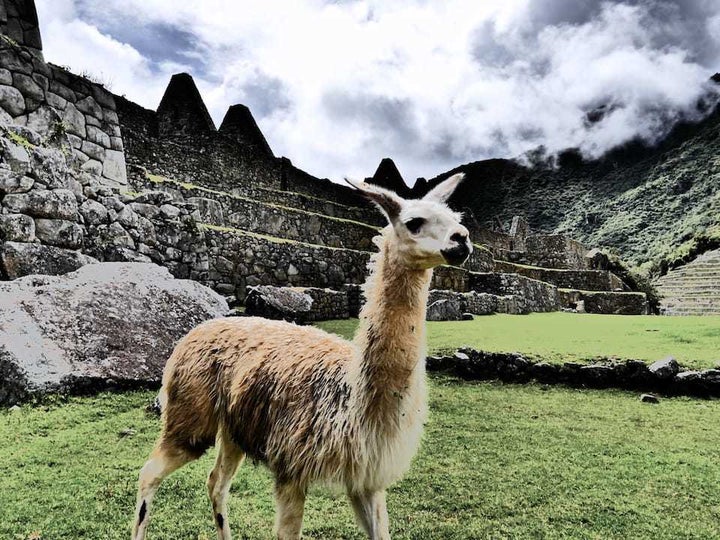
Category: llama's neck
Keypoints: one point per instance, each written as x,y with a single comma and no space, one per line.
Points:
391,335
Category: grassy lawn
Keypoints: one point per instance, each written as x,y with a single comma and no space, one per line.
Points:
561,337
497,461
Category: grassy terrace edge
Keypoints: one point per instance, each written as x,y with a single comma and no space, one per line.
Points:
568,337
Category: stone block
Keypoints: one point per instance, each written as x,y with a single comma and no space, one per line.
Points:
114,167
57,204
5,77
94,151
28,87
14,183
59,232
92,166
17,228
88,105
74,121
11,100
22,259
93,212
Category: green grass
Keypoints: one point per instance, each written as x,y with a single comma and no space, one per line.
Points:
497,461
562,337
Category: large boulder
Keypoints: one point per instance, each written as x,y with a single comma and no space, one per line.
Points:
444,310
282,303
106,325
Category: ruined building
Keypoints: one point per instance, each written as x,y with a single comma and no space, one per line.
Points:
87,175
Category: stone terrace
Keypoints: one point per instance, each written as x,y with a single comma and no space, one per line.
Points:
87,173
693,289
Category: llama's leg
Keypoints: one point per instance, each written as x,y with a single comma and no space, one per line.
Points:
290,500
161,463
371,512
229,457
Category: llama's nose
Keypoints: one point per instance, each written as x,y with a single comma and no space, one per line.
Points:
460,250
460,238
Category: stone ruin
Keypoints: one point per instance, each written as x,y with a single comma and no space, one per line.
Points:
87,175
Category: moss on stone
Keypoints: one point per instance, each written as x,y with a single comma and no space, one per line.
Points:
273,239
19,139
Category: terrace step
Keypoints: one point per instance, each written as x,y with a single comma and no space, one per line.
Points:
693,289
587,280
239,212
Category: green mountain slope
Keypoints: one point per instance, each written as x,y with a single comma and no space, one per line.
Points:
647,204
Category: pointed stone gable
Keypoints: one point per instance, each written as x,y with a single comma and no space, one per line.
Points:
388,177
241,126
182,110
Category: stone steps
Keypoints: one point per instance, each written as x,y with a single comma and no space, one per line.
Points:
693,289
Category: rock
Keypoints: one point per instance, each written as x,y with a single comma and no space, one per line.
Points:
664,369
283,303
98,136
126,319
28,87
597,260
468,317
461,356
59,232
44,121
596,373
93,212
444,310
92,166
16,156
17,228
114,167
74,121
5,76
89,106
94,151
21,259
210,211
11,100
59,203
649,398
168,211
14,183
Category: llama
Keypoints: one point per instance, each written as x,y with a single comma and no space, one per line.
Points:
311,406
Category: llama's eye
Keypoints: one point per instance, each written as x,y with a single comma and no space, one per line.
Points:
413,225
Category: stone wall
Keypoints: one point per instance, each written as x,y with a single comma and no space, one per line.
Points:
49,99
19,21
239,259
555,251
50,211
587,280
480,260
450,277
605,302
539,296
240,212
220,160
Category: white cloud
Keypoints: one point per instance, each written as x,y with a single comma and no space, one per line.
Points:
336,86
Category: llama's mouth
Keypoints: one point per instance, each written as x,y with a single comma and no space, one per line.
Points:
456,255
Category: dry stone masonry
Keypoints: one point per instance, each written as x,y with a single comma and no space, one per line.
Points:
88,176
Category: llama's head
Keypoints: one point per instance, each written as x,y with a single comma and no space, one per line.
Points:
425,232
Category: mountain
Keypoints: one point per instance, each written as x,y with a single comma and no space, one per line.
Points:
650,205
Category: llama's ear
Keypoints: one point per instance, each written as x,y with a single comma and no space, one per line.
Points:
441,193
385,200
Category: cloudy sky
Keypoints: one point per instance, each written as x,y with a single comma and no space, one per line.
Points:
336,85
